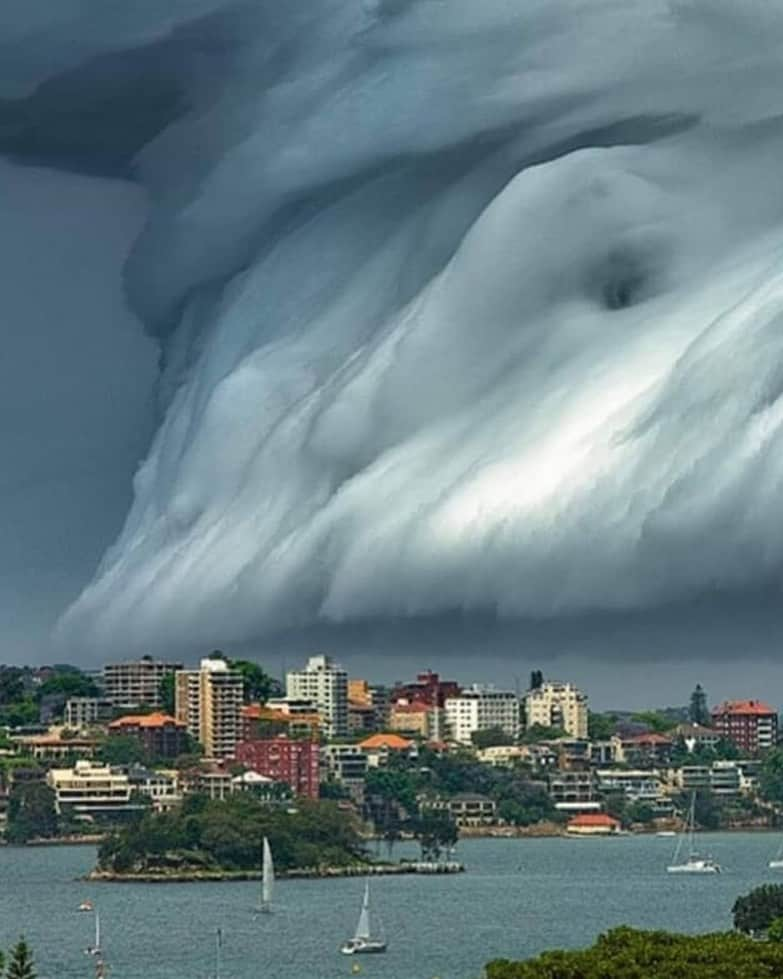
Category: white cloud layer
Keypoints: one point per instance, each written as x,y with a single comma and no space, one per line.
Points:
498,322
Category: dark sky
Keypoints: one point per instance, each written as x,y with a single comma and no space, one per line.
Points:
461,307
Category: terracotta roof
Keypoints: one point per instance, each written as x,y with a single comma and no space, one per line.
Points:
146,720
393,741
593,819
415,708
650,738
757,707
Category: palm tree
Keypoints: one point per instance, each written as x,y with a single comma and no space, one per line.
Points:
20,965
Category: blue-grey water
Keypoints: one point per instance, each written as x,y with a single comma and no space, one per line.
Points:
517,898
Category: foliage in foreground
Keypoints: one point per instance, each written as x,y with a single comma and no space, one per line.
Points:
625,953
20,962
755,912
227,835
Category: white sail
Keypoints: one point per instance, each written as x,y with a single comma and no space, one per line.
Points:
363,926
268,875
97,932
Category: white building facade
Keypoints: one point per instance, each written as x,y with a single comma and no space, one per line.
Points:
558,705
325,684
480,708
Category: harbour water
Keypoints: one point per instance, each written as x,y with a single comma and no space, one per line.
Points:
516,898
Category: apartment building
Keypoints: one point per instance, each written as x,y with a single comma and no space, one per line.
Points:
81,712
751,724
161,735
90,790
325,684
557,705
136,683
481,708
209,704
296,763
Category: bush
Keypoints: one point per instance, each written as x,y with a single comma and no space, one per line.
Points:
756,911
626,953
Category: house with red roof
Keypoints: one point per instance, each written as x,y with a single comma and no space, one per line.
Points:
593,824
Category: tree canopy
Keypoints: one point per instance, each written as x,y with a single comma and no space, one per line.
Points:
20,962
755,912
214,835
627,953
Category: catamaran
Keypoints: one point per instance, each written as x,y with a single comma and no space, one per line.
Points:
267,878
693,863
362,942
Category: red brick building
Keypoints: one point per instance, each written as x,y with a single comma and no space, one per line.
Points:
751,724
294,762
428,689
161,735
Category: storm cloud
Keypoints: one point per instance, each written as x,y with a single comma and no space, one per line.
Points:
469,309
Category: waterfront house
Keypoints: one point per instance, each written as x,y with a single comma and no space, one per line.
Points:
593,824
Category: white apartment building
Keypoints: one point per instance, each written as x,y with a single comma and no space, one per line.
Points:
81,712
209,701
558,705
89,789
479,708
136,683
325,683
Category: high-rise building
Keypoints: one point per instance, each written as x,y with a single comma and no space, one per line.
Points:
209,703
480,708
136,683
751,724
325,683
557,705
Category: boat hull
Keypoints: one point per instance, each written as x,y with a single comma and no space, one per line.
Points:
366,948
775,865
706,868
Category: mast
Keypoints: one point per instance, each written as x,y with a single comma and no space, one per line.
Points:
363,925
267,876
692,825
218,950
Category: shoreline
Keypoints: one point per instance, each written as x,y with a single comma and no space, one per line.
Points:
304,873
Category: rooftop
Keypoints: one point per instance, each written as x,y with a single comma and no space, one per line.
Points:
757,707
393,741
594,819
157,719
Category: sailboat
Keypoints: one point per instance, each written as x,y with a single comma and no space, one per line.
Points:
693,863
267,878
776,863
95,949
362,942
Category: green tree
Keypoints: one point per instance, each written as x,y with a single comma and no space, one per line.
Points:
698,711
167,693
31,812
775,930
539,732
20,962
771,781
435,832
490,736
625,953
122,749
257,684
600,727
755,912
536,680
69,683
656,721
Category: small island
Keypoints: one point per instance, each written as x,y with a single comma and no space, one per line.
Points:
211,840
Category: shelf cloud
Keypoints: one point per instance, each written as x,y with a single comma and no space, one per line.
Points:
464,309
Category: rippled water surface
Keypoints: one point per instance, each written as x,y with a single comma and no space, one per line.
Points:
517,897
